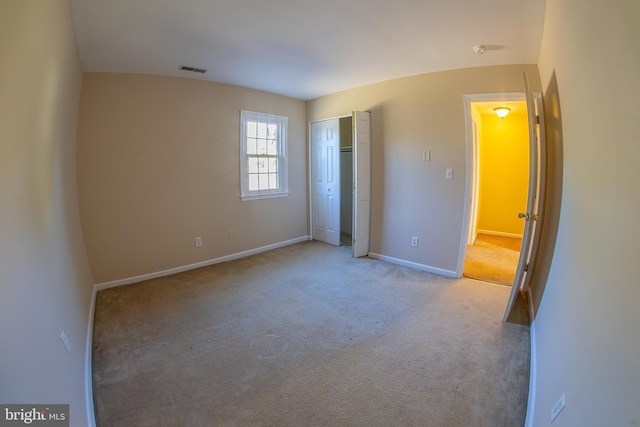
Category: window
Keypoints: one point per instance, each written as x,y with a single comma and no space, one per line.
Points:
263,156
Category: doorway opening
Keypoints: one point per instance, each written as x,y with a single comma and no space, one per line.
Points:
346,180
500,182
518,309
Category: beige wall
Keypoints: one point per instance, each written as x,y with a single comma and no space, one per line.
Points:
587,329
45,280
158,165
504,173
411,197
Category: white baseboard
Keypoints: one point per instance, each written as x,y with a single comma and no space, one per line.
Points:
500,233
231,257
427,268
88,373
531,402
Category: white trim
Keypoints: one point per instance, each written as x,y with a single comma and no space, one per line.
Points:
88,367
309,161
500,233
531,401
282,123
310,181
272,195
231,257
417,266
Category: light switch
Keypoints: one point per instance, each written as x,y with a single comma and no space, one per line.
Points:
449,174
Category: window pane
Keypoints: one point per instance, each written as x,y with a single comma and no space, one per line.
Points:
272,130
262,146
251,146
262,130
252,129
273,164
273,180
262,165
272,147
252,163
253,182
263,181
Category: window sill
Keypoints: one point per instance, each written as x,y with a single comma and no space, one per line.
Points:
247,197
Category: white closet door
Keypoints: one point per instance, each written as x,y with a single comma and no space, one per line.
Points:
325,173
362,183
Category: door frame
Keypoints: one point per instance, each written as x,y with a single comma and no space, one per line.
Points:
470,196
354,178
471,180
310,172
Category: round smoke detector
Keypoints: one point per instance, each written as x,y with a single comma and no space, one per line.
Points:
480,49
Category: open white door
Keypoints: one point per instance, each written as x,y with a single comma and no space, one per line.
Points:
362,182
325,175
530,237
475,182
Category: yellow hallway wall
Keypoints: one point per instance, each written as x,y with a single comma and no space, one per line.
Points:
504,173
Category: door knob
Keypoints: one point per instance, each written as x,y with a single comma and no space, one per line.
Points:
528,216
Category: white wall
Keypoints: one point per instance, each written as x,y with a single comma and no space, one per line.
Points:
46,285
587,329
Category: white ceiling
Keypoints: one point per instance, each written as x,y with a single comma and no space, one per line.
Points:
302,48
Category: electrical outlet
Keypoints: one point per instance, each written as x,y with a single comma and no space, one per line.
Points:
198,241
414,241
66,342
231,235
558,407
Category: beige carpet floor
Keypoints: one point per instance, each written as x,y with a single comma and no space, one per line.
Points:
306,335
492,259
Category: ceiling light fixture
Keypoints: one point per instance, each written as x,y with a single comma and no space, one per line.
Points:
480,49
502,112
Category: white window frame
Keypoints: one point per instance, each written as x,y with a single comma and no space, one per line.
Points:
282,189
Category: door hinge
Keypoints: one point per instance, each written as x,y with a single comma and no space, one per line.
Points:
538,119
526,267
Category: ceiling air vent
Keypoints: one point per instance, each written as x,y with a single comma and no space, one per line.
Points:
193,69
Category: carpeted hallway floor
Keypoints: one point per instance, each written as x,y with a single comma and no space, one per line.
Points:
492,259
307,335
